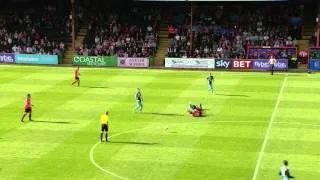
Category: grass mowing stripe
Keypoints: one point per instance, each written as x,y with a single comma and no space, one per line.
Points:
126,132
216,105
68,101
168,102
89,117
228,149
175,103
12,109
95,108
266,137
95,145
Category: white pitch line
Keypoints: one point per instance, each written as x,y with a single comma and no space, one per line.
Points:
134,130
213,122
205,122
266,137
301,124
101,168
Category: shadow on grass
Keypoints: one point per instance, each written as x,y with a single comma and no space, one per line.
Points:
54,122
131,142
164,114
95,87
234,95
202,116
173,132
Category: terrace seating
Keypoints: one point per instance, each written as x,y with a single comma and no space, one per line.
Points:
36,30
132,33
227,31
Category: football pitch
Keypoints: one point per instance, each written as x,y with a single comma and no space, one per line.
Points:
252,123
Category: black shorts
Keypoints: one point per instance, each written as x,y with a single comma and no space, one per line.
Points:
271,66
28,110
104,127
77,78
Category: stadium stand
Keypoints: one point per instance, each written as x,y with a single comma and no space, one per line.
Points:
123,32
226,31
35,28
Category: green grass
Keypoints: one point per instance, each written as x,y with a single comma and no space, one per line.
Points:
167,143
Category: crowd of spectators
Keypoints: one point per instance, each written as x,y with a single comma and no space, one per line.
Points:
227,31
35,31
217,31
132,33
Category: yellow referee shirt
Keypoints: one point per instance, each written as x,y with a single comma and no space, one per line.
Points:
104,119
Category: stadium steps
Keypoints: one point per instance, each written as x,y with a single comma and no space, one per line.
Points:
301,68
308,27
163,44
81,35
5,13
309,19
68,54
303,44
308,30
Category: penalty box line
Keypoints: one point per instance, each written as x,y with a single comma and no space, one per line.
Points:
266,137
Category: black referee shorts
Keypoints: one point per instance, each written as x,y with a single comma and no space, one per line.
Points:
104,127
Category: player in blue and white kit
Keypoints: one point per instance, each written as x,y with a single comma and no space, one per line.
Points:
139,100
284,171
210,83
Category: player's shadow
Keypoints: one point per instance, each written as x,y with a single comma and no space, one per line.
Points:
233,95
163,114
96,87
132,142
54,122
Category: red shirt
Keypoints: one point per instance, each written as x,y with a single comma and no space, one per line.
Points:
76,73
171,30
27,103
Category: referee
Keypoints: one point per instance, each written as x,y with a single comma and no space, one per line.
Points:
272,62
104,120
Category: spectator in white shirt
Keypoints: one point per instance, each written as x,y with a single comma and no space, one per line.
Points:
149,28
96,39
177,37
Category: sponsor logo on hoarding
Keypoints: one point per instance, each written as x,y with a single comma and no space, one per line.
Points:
222,63
242,64
36,59
89,60
315,64
133,62
281,65
263,64
189,63
95,60
7,58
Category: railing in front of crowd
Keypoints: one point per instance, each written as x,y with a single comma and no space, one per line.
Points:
264,52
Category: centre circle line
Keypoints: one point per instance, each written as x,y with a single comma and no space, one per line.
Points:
197,122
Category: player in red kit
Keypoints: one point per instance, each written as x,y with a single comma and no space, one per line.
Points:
27,108
76,76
